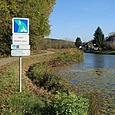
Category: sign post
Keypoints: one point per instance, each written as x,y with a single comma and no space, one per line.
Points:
20,58
20,42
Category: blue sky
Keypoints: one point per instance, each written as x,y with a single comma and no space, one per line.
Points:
80,18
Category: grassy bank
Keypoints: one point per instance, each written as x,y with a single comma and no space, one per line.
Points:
37,93
112,52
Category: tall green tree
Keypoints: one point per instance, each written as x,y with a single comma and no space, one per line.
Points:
99,38
78,42
38,12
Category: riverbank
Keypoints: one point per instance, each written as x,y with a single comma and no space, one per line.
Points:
34,99
111,52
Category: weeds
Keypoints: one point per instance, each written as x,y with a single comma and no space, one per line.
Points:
49,81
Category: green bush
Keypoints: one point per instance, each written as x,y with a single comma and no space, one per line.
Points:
68,104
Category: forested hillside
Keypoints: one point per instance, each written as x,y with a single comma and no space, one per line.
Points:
56,43
38,12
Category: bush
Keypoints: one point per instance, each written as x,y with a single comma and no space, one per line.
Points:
67,104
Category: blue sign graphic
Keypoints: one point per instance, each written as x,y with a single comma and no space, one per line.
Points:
20,26
14,46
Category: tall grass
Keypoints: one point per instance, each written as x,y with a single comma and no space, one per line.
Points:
11,101
22,104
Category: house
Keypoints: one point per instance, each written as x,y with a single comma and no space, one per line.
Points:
90,45
110,42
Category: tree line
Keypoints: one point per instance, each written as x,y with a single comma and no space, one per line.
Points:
56,43
38,12
98,40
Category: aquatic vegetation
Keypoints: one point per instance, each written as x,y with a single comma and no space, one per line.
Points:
93,80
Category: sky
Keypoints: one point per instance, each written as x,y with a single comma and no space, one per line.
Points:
80,18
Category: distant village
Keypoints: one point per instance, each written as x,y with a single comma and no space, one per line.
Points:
90,45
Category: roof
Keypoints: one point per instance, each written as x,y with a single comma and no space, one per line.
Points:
110,38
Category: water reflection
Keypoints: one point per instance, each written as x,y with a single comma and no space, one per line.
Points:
98,61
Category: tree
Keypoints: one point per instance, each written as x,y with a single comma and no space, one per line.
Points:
38,12
78,42
99,38
111,34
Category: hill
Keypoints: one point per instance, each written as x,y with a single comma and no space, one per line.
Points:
58,43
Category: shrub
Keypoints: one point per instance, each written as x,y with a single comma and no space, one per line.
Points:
67,104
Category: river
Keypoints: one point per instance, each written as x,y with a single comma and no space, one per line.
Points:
95,74
98,61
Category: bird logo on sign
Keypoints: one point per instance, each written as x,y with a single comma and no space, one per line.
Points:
22,27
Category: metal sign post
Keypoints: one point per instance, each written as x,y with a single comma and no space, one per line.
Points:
20,59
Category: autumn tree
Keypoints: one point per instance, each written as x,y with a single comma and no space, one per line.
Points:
78,42
38,12
99,38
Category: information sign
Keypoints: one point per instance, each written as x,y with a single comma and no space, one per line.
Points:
20,39
20,52
20,26
20,46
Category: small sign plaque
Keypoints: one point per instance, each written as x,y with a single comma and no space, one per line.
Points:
20,39
13,46
20,52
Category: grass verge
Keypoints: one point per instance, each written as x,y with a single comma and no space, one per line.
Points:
33,98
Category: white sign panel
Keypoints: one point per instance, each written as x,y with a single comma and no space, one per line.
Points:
20,39
20,46
20,25
20,52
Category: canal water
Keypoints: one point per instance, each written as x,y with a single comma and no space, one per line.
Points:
95,74
98,61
